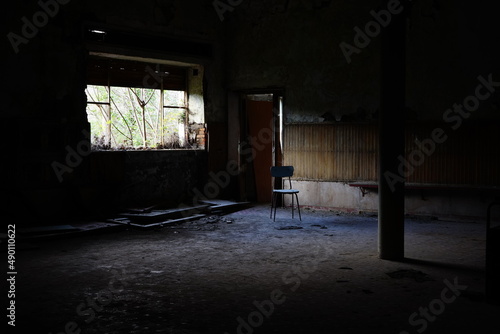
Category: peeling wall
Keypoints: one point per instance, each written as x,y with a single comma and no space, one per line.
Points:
442,204
141,177
295,44
43,110
289,44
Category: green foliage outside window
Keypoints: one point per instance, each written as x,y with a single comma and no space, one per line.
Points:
133,118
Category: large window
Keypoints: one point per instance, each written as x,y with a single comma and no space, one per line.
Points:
134,105
127,117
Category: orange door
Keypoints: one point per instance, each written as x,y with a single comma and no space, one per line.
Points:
260,115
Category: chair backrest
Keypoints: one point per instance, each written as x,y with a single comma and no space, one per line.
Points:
282,171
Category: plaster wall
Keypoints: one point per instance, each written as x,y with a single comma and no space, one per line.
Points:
43,101
296,45
339,196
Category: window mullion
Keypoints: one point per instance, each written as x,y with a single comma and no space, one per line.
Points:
108,115
162,115
186,115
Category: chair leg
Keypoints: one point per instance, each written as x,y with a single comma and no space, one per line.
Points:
298,206
292,206
272,205
274,201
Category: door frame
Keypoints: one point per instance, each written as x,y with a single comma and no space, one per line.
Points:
238,136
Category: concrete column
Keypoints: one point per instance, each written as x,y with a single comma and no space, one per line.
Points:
392,139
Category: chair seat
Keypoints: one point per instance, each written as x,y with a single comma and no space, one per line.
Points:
286,191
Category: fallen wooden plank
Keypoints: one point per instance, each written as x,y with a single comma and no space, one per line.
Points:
215,201
156,215
176,221
127,222
217,205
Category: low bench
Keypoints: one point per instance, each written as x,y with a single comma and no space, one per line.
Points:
370,185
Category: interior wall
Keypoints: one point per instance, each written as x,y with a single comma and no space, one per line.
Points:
297,45
451,45
121,179
469,205
43,109
350,152
290,44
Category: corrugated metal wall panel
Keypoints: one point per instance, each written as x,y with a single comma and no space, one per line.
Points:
331,152
349,152
470,155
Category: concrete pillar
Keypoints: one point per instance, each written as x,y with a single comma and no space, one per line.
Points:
392,139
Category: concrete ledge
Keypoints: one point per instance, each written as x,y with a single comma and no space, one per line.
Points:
437,202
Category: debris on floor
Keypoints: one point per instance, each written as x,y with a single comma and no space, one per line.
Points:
216,220
182,277
204,223
149,218
291,227
220,206
417,275
157,216
153,223
323,227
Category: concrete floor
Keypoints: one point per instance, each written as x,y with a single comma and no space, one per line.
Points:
244,273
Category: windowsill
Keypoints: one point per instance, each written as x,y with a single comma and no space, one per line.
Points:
149,150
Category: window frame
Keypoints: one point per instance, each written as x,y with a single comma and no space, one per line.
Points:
117,72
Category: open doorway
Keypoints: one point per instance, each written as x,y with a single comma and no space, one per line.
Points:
260,143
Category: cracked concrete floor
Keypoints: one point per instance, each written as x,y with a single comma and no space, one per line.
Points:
247,274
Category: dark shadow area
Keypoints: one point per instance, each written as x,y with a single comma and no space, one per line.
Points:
443,265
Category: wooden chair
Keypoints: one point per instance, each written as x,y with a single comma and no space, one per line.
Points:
283,171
